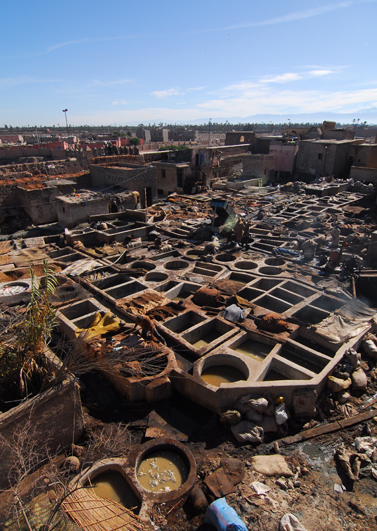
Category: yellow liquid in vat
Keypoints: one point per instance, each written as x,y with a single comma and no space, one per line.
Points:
254,349
113,486
207,339
221,374
162,472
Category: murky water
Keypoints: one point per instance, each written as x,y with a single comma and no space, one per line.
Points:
221,374
113,486
207,339
274,375
183,296
254,349
162,471
305,360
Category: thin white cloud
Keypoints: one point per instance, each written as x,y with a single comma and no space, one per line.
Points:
111,83
195,88
121,102
91,40
318,73
296,76
269,101
67,43
283,78
290,17
167,93
272,100
248,88
24,80
175,92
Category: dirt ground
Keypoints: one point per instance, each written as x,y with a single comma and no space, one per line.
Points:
313,501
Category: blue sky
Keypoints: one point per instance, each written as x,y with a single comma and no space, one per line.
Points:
124,62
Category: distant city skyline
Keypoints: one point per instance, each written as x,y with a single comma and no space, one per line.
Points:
130,63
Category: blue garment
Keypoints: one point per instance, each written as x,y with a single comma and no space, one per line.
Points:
223,517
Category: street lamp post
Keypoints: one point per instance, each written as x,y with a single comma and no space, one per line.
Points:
66,123
209,132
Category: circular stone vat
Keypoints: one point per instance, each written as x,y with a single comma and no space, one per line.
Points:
13,288
274,261
219,374
165,470
109,479
156,276
162,471
176,265
245,265
141,264
269,270
112,485
225,257
222,368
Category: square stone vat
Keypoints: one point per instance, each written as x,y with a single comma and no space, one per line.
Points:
207,333
125,290
182,291
184,321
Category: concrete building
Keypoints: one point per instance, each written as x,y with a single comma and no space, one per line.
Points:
155,134
12,139
211,163
173,177
285,159
365,163
131,177
338,134
77,208
321,158
239,137
182,134
39,202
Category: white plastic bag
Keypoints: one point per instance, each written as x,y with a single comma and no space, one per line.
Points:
281,415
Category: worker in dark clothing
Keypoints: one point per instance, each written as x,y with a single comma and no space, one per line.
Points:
148,329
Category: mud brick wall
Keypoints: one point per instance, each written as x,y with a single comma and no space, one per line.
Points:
55,416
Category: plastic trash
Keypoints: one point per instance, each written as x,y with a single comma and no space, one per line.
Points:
290,523
223,517
234,314
12,289
248,432
370,348
281,415
260,488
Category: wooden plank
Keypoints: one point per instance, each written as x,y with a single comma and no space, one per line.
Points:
327,428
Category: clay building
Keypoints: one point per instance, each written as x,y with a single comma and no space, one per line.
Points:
77,208
321,158
172,177
285,158
365,163
131,177
39,202
239,137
